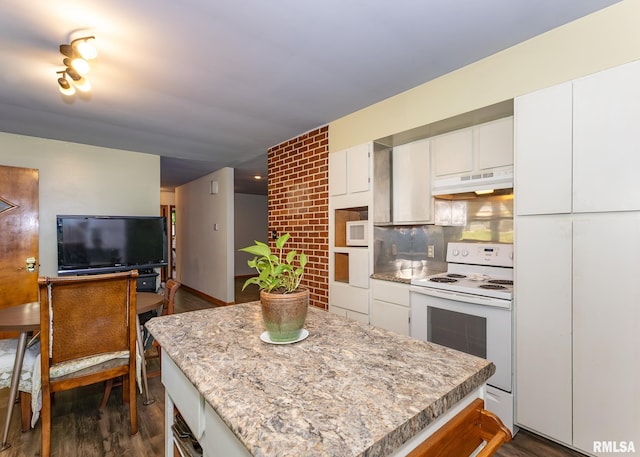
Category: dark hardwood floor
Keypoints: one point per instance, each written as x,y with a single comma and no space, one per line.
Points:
80,428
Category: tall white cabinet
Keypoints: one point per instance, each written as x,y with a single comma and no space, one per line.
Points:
349,200
577,201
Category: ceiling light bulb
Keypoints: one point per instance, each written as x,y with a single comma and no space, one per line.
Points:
82,84
484,192
80,65
86,48
65,88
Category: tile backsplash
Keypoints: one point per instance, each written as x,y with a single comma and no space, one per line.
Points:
407,248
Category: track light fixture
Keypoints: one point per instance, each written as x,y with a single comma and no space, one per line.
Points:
76,61
63,84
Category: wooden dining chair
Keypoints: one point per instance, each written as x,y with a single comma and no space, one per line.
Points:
167,308
463,434
87,335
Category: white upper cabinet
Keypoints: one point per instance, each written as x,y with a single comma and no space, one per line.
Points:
349,170
358,168
471,150
473,158
494,143
412,202
606,144
543,156
453,153
576,146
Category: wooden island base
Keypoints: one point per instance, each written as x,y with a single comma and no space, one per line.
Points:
464,433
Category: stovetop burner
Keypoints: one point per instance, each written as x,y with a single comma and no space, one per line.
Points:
491,286
506,282
475,269
442,279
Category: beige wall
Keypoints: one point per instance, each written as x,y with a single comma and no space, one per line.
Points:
601,40
81,179
204,257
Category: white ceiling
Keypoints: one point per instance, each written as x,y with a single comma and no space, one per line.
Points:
208,84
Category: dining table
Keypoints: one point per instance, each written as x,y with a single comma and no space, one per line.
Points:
25,319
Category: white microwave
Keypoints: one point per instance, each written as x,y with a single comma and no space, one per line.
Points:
357,233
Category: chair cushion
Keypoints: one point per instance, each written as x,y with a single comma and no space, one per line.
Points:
64,368
7,359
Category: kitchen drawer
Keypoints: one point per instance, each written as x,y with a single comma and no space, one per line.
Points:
184,395
364,318
349,297
390,316
389,291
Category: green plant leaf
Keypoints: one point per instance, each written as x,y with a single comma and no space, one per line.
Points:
290,256
275,274
257,249
282,240
250,281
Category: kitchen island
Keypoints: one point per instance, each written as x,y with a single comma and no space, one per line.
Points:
348,389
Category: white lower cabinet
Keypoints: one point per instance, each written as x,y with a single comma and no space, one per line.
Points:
360,317
182,394
349,301
213,435
577,320
543,325
606,324
218,440
390,306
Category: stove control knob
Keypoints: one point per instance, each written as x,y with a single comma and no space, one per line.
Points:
456,252
465,253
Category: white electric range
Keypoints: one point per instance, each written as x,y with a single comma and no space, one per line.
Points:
468,308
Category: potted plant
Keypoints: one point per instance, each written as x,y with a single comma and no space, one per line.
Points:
284,303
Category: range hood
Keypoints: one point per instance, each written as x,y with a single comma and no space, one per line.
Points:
501,178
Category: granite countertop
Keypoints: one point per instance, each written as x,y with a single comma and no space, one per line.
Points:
349,389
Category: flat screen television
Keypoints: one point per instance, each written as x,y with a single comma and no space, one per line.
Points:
102,244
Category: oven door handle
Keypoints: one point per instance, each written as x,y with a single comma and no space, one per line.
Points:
467,298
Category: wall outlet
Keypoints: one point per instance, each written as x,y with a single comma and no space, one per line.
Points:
430,251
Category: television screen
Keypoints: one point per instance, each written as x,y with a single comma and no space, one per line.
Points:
95,244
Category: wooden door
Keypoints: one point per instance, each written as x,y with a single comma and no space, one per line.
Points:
18,236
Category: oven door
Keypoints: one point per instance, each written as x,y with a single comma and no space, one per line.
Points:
453,319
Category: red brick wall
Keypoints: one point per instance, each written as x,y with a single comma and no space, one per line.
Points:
298,203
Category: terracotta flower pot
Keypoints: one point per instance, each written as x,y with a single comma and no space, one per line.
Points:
284,314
